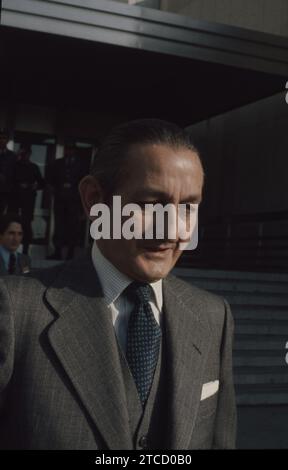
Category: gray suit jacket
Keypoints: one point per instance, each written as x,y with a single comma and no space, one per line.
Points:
61,382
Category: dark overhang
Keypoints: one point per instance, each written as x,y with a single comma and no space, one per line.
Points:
123,62
136,27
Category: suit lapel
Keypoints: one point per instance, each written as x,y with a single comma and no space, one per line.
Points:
84,340
187,339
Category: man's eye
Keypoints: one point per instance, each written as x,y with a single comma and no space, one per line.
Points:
190,207
141,204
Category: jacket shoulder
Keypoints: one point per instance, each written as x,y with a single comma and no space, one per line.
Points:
25,288
208,304
190,290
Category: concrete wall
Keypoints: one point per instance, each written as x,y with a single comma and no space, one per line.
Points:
245,156
270,16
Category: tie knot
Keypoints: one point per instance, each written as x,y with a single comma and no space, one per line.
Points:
140,291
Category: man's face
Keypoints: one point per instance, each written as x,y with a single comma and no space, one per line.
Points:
12,237
155,174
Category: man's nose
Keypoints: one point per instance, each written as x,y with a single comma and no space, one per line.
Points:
171,227
171,233
181,227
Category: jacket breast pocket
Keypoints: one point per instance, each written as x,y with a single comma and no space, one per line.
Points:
208,406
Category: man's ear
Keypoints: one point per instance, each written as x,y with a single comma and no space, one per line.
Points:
90,193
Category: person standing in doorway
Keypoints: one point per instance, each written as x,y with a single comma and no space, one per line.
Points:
7,174
28,181
64,177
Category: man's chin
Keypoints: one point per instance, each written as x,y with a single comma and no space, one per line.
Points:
152,269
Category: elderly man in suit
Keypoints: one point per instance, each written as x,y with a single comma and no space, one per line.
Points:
11,235
110,351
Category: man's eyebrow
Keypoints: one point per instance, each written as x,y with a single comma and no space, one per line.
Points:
158,194
192,199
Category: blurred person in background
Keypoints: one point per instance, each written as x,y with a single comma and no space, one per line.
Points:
28,181
7,174
64,177
11,235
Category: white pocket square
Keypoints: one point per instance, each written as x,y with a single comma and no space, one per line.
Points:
209,389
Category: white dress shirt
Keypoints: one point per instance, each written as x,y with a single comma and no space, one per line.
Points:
113,283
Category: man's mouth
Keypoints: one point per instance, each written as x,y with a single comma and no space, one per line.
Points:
160,248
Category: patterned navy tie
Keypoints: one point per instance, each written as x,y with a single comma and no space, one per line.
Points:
12,263
143,339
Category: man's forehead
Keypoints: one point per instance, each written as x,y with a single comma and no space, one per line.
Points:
14,227
157,151
163,161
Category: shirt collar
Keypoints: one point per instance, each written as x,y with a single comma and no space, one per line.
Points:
114,282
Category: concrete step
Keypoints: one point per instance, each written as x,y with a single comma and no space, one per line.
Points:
237,286
239,293
231,275
261,375
261,327
269,299
259,312
259,304
260,342
260,394
246,262
262,427
250,358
